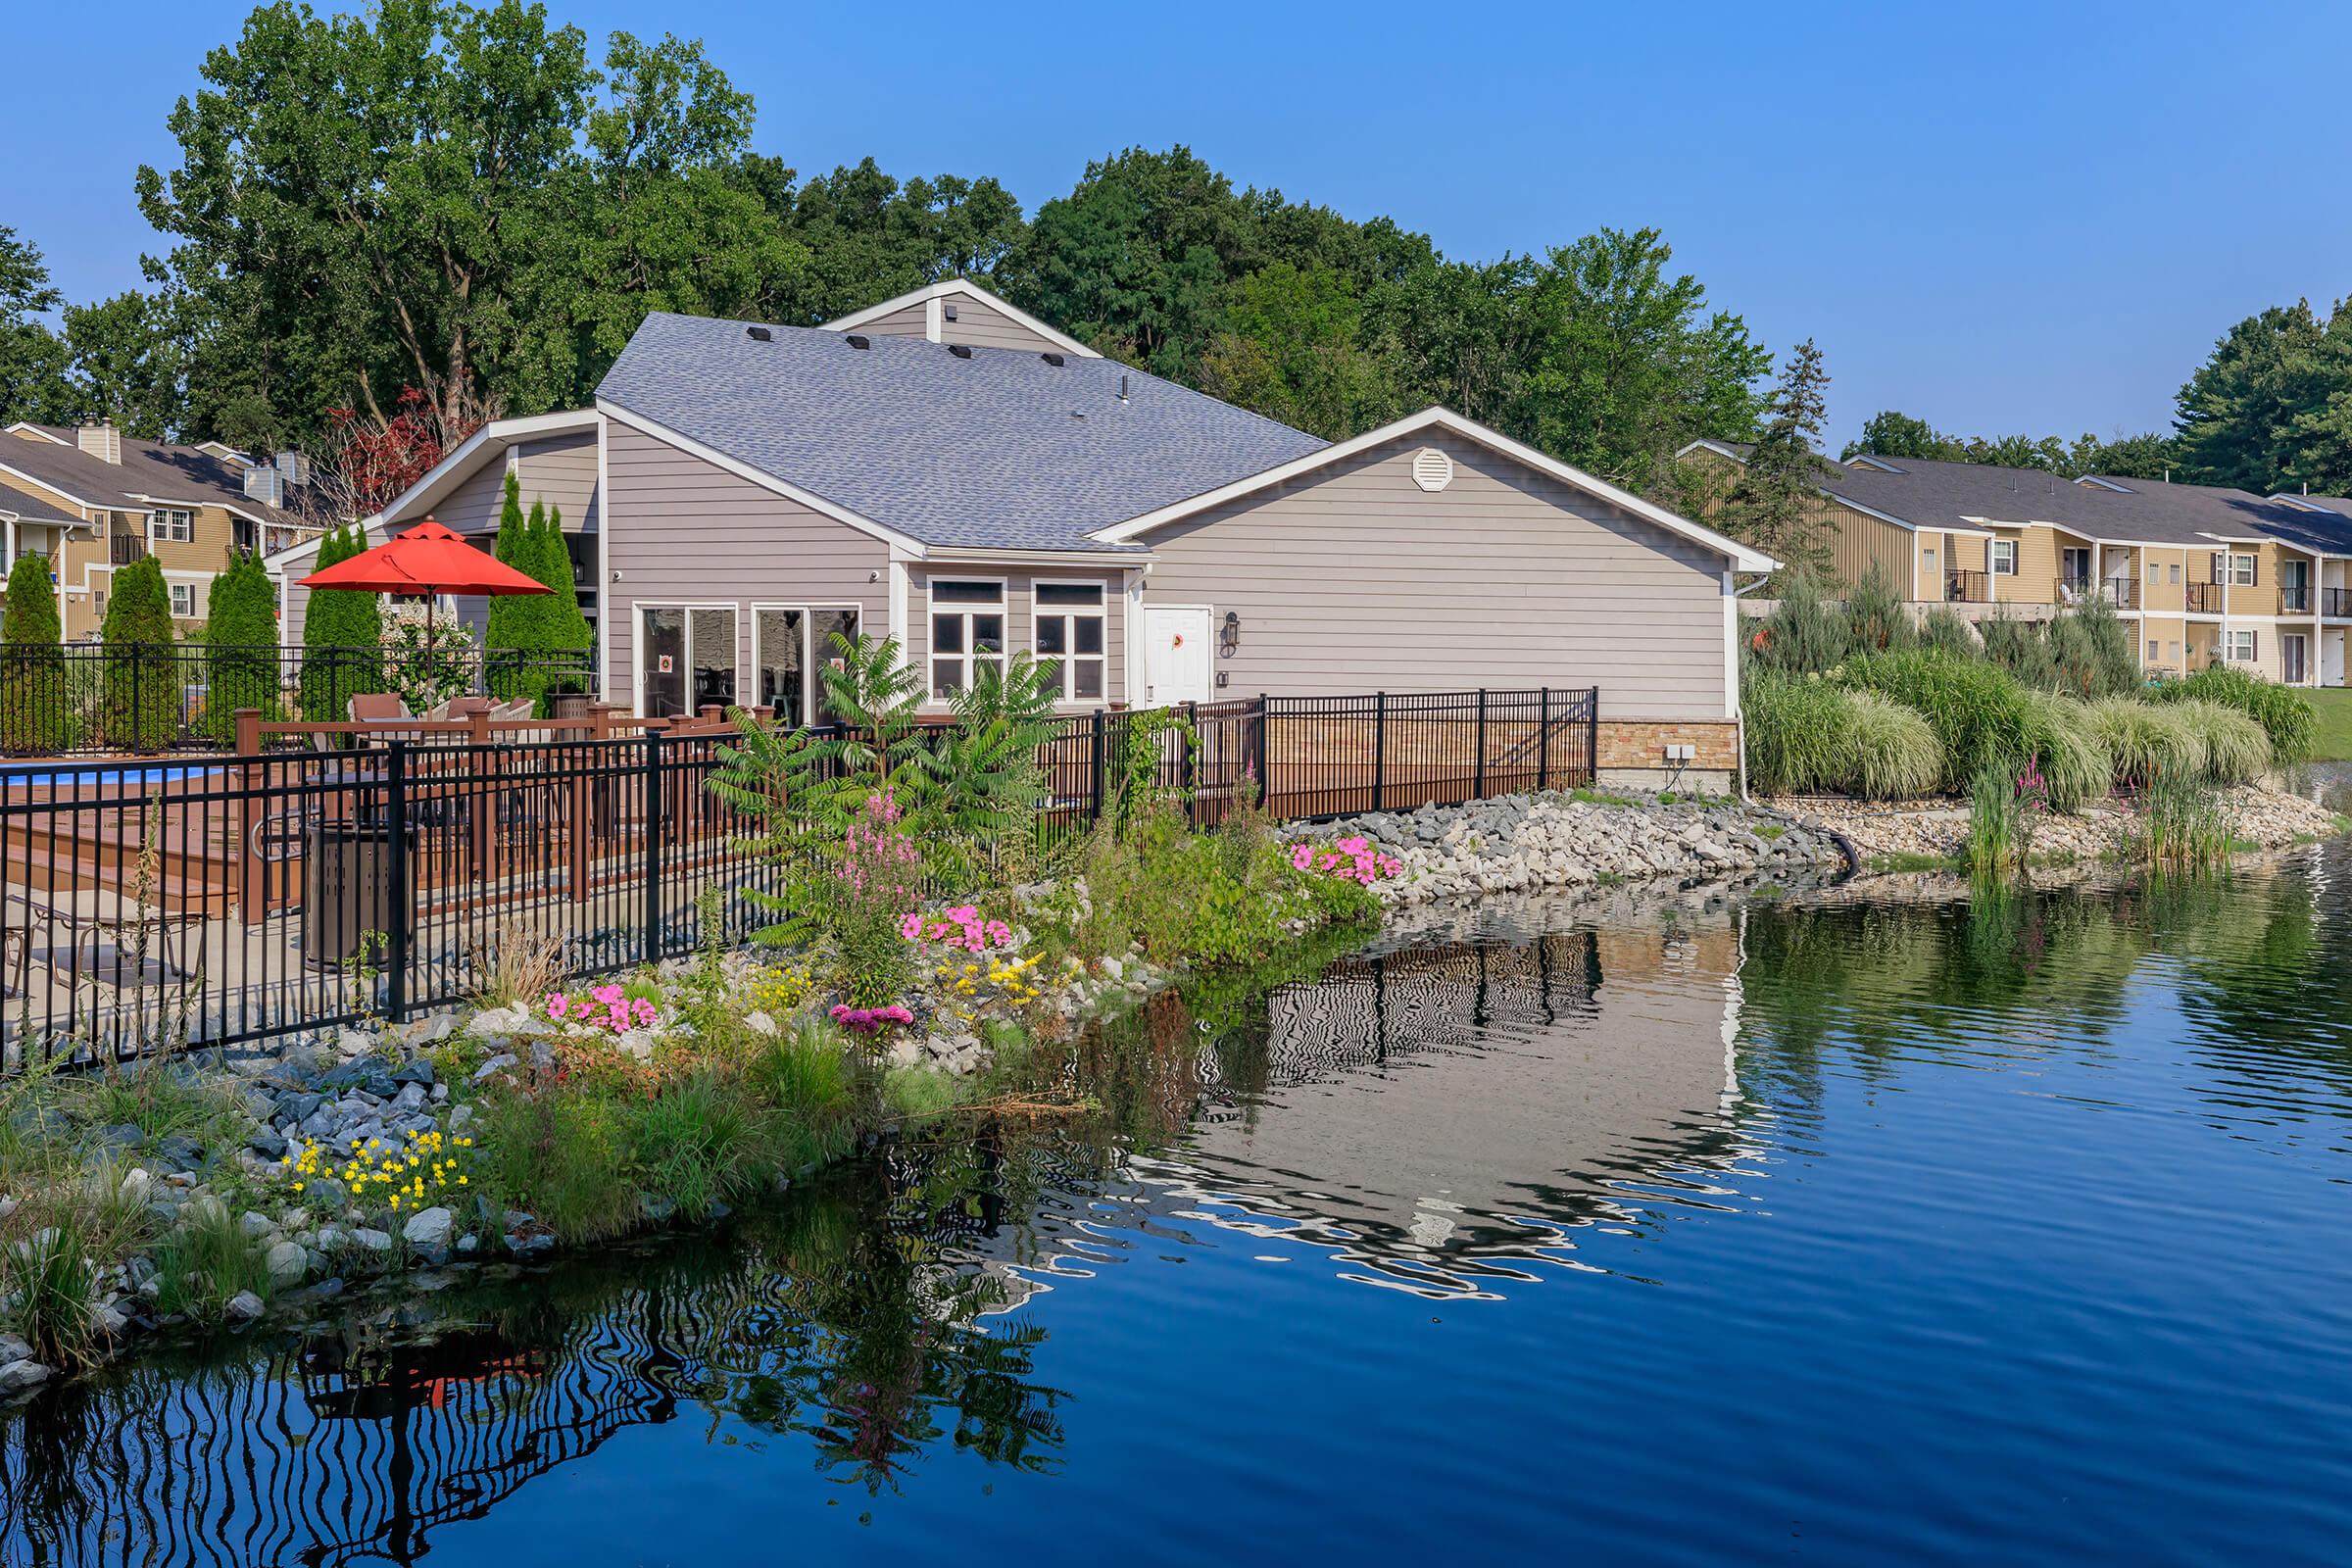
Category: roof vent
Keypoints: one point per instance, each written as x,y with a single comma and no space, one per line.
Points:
947,309
1432,469
1051,358
758,334
962,350
858,340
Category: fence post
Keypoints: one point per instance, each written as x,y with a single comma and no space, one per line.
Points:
1543,743
1099,735
395,871
1593,735
653,847
252,890
1380,751
1478,788
1265,760
1188,770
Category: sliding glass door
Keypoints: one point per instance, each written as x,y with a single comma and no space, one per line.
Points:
795,645
687,658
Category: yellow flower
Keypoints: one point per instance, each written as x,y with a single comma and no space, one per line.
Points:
298,1187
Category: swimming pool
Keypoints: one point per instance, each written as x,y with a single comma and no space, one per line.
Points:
106,777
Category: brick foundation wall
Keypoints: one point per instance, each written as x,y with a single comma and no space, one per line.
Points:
1633,751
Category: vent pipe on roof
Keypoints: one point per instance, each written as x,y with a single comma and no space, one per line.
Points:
858,340
758,334
1122,387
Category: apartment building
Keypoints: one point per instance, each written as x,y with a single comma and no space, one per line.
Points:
91,500
2204,574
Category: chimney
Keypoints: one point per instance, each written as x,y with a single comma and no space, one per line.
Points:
266,484
294,469
101,440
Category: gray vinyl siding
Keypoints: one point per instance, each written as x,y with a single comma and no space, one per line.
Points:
472,508
1353,579
681,530
557,471
907,320
1020,614
986,327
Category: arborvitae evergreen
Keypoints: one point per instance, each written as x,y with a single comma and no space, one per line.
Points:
142,689
33,715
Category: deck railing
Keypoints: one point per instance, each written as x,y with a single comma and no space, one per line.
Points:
1966,587
232,899
2202,598
62,700
2335,603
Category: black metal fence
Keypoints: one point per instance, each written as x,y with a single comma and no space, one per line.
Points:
60,700
221,900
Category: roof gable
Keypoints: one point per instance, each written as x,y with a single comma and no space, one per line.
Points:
1741,558
959,288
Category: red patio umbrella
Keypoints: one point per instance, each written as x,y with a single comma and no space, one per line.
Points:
427,560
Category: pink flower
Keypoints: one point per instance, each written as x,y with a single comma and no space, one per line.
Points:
911,925
1303,856
558,1003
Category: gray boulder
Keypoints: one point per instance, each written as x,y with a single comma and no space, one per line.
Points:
428,1228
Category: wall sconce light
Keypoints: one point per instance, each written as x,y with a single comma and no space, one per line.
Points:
1230,637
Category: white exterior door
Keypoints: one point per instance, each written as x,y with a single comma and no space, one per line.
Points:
1176,656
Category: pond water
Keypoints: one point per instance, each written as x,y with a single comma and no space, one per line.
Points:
1852,1225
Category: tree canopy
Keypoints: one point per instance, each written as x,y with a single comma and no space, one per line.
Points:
1891,433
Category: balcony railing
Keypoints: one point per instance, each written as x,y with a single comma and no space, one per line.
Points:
2203,598
1968,587
2122,592
2335,602
124,548
2294,599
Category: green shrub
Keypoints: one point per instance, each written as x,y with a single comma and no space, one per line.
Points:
2088,653
1893,752
2285,714
1876,617
917,1094
702,1141
342,633
1805,634
1995,838
1946,630
2236,750
142,689
2147,742
1799,733
2016,646
2182,827
2071,747
240,632
561,1154
205,1261
1979,712
807,1075
32,664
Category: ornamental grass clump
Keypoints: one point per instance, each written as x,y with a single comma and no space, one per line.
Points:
2236,749
205,1260
1996,833
2147,742
1893,752
1799,734
2285,714
2070,750
1977,710
2182,827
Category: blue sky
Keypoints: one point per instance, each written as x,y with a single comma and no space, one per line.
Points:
1999,217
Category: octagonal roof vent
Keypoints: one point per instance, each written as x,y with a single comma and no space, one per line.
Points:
1432,469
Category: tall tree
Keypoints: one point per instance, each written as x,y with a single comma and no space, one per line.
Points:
139,690
128,363
240,635
448,197
1771,504
506,624
1291,350
1627,364
2271,406
342,634
32,358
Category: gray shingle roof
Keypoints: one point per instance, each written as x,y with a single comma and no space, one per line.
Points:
26,507
148,469
1001,450
1931,494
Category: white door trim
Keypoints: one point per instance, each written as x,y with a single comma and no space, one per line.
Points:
1208,617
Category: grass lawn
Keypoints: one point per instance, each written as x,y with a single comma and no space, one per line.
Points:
2332,742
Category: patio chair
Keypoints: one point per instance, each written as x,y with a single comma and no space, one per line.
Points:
378,707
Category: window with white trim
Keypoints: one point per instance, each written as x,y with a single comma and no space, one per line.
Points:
2238,570
967,633
171,525
2237,647
183,601
2004,557
2175,570
1070,637
2153,574
2152,654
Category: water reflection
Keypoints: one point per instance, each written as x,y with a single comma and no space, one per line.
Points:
1486,1106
